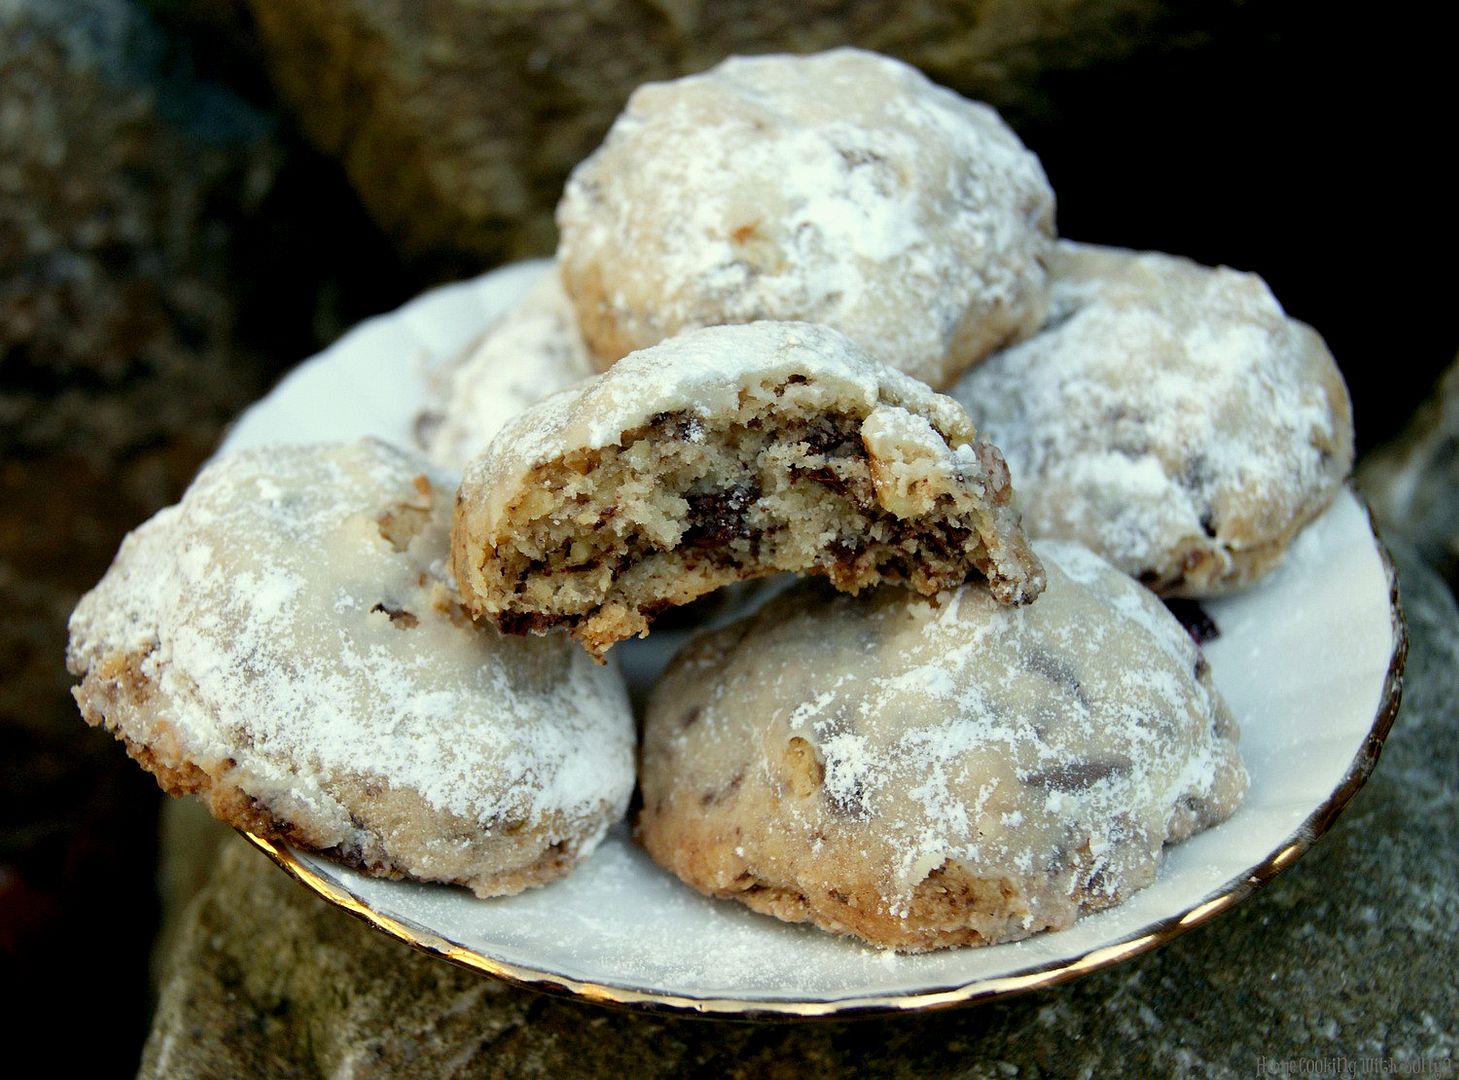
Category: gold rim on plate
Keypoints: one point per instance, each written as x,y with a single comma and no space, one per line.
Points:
979,990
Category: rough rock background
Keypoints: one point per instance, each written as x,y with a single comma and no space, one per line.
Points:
156,274
120,364
195,194
1413,482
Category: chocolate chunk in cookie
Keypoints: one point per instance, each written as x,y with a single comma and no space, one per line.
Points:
726,454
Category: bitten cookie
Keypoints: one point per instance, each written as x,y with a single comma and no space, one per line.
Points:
923,773
842,188
532,351
1171,417
724,454
287,644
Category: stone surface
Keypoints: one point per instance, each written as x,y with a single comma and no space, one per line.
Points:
189,839
139,204
117,369
1351,952
117,182
1413,482
458,121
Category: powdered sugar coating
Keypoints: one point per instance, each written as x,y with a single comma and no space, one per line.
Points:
1171,416
291,631
842,188
926,773
531,352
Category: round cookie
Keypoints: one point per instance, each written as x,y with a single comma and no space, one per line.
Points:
1171,417
842,188
287,644
923,773
724,454
532,351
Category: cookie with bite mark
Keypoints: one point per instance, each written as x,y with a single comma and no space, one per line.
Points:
726,454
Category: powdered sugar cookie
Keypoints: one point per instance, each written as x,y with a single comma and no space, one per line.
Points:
842,188
724,454
287,643
924,773
532,351
1171,417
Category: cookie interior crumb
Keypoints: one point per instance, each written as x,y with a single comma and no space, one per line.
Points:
602,540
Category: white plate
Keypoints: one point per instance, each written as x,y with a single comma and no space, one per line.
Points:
1309,661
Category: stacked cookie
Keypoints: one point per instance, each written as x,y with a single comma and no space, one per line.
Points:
947,734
